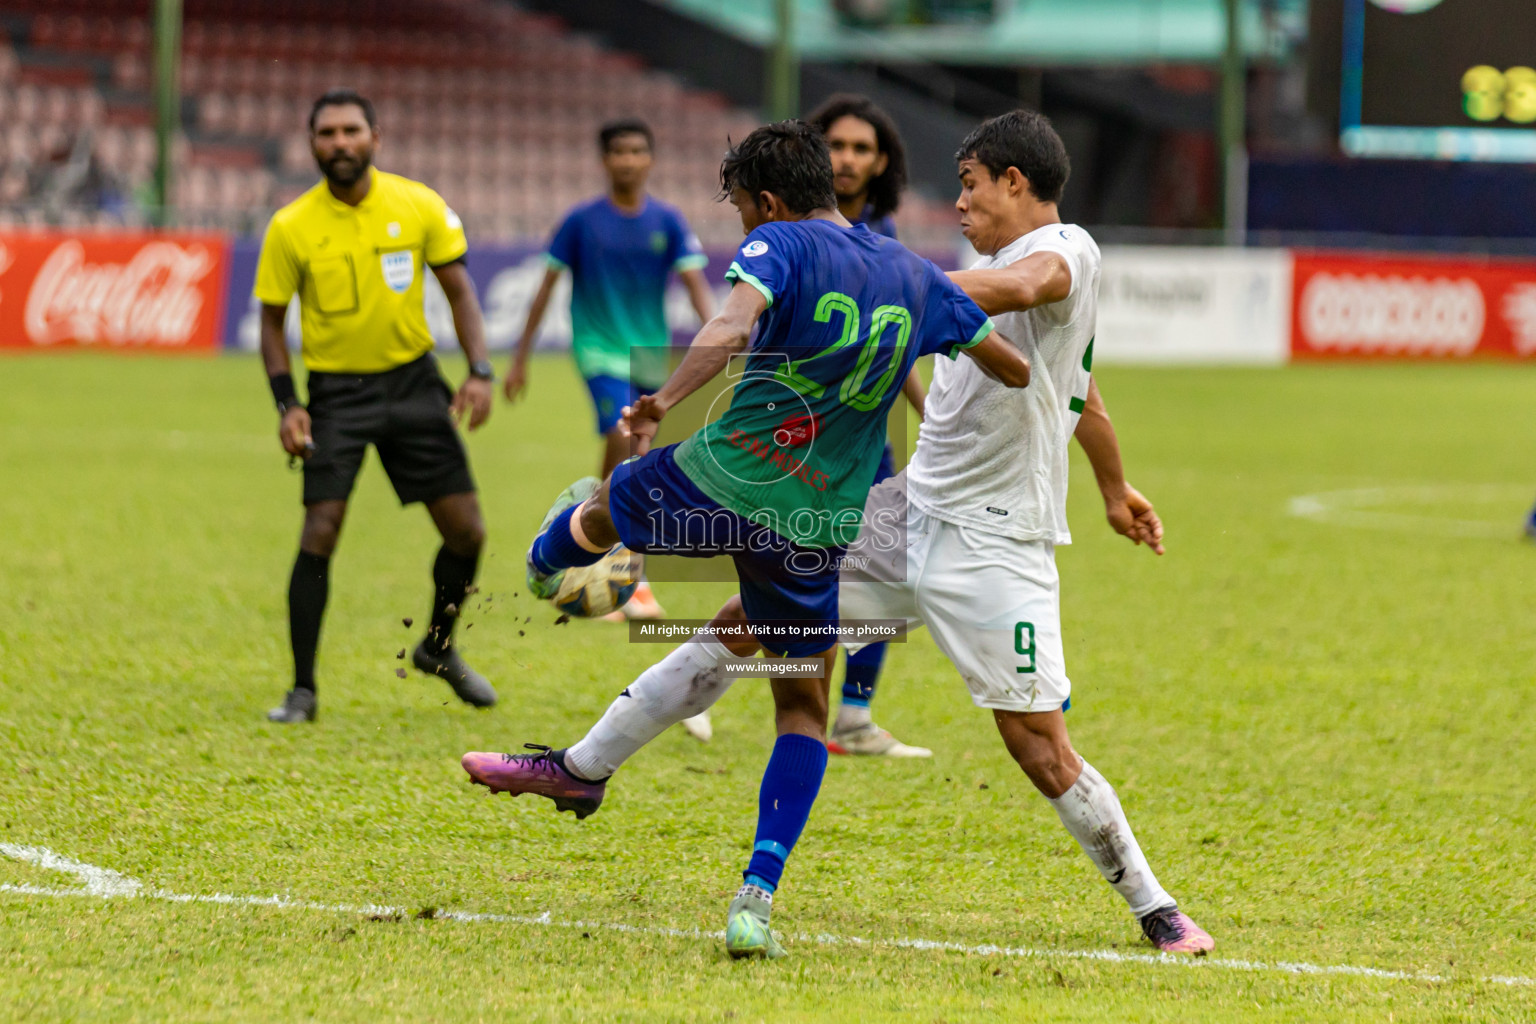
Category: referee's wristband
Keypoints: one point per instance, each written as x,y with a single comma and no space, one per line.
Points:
283,392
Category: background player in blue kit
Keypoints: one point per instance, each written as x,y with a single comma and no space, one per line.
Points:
621,248
778,482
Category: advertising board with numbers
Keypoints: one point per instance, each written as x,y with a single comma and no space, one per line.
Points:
1371,306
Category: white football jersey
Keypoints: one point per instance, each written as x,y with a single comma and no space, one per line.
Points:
993,457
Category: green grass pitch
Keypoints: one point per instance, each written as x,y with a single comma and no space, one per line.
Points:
1320,725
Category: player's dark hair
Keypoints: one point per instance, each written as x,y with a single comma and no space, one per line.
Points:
624,126
885,188
343,98
789,159
1022,139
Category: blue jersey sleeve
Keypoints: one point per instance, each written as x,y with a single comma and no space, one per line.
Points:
951,321
764,262
684,251
565,248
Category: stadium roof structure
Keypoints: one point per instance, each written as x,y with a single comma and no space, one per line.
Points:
1036,32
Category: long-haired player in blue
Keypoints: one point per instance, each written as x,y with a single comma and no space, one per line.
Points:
778,482
869,171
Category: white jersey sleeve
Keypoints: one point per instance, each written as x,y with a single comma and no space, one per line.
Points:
994,457
1066,241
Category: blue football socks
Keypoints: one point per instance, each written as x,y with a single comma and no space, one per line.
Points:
790,785
861,674
556,548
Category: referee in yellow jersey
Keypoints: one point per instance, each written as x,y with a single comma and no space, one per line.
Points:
355,249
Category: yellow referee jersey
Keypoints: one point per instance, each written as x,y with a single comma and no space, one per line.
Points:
358,271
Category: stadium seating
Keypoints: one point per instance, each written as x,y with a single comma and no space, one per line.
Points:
496,108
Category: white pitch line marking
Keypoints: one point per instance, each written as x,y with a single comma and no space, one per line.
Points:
98,881
1380,508
104,883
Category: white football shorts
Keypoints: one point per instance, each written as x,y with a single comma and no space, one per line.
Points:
992,603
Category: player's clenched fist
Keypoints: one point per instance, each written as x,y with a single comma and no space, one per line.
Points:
294,433
642,420
1132,516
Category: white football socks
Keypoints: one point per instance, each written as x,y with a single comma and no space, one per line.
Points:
1091,812
685,682
851,716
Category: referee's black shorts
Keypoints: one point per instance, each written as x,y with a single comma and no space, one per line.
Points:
401,412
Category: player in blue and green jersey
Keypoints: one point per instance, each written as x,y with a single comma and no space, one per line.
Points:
869,171
621,249
777,483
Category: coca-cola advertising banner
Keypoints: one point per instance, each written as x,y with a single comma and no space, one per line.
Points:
162,292
1392,307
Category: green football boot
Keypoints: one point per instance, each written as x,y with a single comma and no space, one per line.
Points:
746,925
547,585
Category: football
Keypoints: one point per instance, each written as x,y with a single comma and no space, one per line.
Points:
591,591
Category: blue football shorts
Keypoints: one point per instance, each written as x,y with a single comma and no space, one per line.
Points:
658,509
609,396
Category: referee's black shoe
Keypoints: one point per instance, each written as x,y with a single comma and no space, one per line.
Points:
471,686
298,706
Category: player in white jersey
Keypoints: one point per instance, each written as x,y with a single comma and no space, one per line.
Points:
983,505
984,498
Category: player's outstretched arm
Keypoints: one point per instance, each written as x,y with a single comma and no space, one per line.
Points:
1000,360
474,395
517,369
1036,280
699,295
1129,513
726,334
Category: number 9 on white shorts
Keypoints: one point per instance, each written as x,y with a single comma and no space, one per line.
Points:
992,603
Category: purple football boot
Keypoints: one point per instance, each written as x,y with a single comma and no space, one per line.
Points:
543,773
1171,930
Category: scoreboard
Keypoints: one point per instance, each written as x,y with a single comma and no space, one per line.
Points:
1439,79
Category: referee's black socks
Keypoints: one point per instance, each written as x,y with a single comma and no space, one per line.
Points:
308,588
453,575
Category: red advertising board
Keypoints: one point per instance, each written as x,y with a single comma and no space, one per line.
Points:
152,292
1389,307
